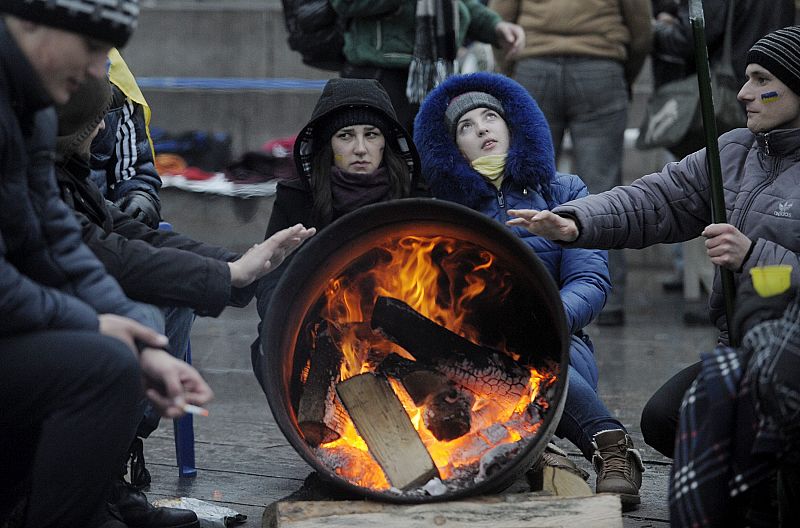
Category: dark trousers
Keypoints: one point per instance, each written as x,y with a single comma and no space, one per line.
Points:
394,81
660,414
69,406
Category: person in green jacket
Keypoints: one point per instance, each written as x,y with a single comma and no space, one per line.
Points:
397,42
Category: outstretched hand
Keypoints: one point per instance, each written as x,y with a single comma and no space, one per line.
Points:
545,224
511,37
726,246
268,255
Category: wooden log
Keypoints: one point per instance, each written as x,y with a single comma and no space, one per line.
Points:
518,510
481,370
447,409
316,413
382,422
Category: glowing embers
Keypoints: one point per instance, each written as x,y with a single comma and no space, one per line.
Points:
418,316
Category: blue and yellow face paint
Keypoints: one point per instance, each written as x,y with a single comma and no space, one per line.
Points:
769,97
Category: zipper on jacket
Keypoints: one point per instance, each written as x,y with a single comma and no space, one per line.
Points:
773,175
378,35
501,199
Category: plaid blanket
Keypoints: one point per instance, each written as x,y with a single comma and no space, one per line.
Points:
738,421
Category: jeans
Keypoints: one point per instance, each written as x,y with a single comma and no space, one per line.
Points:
584,415
177,326
588,97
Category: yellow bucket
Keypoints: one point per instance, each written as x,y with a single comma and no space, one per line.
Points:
771,280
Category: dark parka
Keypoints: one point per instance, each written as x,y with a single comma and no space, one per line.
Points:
761,178
158,267
530,182
48,278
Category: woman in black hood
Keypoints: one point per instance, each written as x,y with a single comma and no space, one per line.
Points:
353,152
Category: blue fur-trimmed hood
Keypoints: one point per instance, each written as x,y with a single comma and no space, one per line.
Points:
531,158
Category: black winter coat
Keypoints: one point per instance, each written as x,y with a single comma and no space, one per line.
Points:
157,267
49,279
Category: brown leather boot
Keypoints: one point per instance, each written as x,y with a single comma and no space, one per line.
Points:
619,466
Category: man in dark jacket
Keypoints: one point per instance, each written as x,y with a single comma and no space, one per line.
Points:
159,267
71,377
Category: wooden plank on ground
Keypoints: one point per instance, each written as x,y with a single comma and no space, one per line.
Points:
520,510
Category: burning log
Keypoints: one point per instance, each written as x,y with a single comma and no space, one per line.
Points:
447,411
481,370
317,411
384,425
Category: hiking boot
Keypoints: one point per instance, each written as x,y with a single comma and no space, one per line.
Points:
139,476
619,466
137,512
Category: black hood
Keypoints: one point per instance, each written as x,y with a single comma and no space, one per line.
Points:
354,93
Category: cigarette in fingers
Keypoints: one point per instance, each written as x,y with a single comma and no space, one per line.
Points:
194,409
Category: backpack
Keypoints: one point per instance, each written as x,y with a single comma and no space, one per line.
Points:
316,31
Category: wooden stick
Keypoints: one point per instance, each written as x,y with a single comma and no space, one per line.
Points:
384,425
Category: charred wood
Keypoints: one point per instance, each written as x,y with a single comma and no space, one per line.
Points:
447,409
481,370
317,414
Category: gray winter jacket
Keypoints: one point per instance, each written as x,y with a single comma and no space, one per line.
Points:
761,177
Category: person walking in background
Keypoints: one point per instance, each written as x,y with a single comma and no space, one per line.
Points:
488,147
579,62
385,38
74,357
353,152
760,169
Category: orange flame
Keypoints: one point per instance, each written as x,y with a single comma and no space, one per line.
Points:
439,277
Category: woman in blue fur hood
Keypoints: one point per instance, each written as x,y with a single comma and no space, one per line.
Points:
485,144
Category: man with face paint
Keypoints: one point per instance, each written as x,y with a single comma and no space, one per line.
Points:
760,170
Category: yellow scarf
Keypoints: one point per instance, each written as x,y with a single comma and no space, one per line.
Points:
491,167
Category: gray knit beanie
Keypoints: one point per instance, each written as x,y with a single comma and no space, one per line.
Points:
461,104
779,52
110,21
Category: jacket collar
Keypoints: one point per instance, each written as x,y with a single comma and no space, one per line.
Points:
531,158
18,79
781,142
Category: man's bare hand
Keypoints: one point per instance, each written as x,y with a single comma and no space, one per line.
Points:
511,37
544,224
268,255
129,331
170,383
726,246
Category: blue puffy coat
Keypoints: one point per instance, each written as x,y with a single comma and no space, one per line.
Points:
530,182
